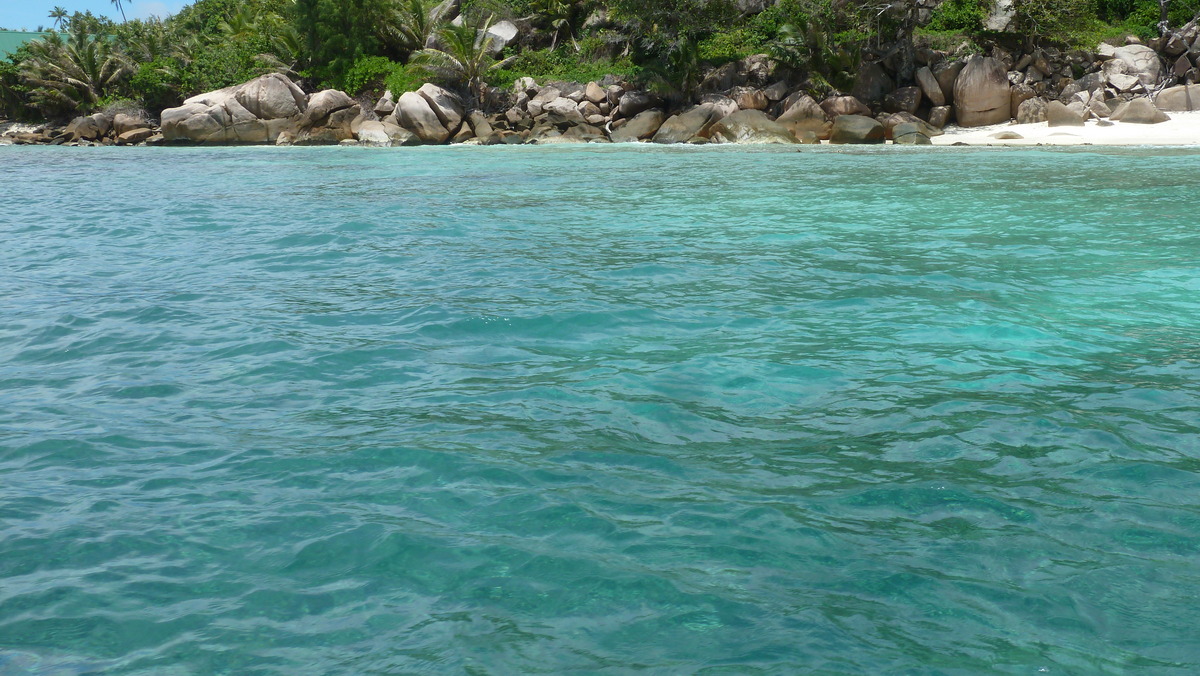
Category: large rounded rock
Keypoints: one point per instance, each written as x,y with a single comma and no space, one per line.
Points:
502,33
1142,62
386,104
333,129
910,134
89,127
844,105
563,113
123,122
480,125
903,100
946,73
323,104
872,83
633,103
753,127
697,121
1059,115
445,104
595,93
253,112
857,129
373,133
1032,111
1179,99
414,114
981,93
939,116
804,115
1139,111
930,87
134,136
271,97
643,126
750,98
892,122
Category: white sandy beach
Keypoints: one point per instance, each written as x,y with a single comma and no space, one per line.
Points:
1181,129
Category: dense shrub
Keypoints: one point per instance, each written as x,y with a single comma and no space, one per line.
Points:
367,75
404,78
154,84
965,16
562,64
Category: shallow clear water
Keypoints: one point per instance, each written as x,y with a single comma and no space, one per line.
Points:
599,409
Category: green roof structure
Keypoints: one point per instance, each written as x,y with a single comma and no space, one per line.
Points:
11,41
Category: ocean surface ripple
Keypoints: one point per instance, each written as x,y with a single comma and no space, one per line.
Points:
599,409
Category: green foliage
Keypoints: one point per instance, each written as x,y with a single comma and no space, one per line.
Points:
463,57
405,78
564,65
336,33
1058,20
72,74
659,27
965,16
367,74
410,23
154,84
218,65
14,92
732,44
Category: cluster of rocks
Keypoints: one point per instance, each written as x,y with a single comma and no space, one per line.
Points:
123,129
267,109
754,100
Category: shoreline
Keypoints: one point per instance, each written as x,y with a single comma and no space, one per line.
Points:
1181,131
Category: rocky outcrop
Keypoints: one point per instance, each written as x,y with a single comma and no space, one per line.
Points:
89,127
1179,99
257,111
930,87
1139,111
753,127
981,93
1059,115
414,113
134,136
904,99
911,134
124,122
844,105
1032,111
805,115
447,106
643,126
696,122
1140,61
328,120
857,129
872,83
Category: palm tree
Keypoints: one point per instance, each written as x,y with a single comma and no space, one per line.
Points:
463,55
287,48
122,9
59,15
412,23
240,24
74,73
146,41
558,14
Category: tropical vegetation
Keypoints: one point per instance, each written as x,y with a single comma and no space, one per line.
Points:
366,46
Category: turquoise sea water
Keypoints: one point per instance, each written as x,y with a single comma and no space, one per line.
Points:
599,410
